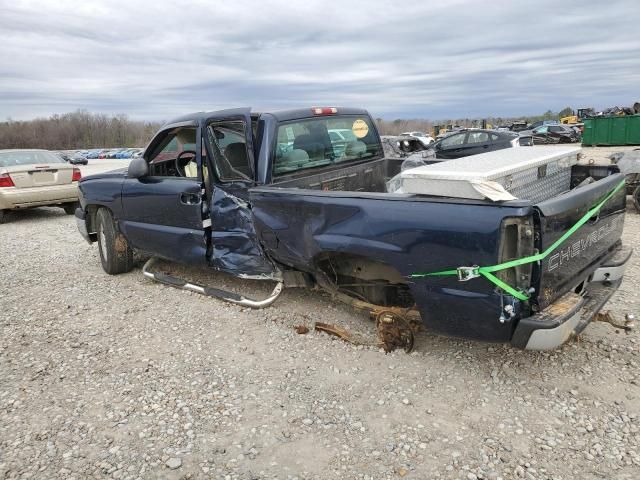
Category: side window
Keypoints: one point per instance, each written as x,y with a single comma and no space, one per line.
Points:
453,140
556,129
478,137
494,137
162,159
229,145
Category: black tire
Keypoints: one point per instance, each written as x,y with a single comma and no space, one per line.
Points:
636,198
3,216
70,208
115,254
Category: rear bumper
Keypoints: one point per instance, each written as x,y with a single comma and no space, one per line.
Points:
12,197
571,313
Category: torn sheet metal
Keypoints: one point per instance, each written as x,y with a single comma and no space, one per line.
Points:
234,242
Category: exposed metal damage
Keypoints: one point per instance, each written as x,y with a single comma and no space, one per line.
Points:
234,244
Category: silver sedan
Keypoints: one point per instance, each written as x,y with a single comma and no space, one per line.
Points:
36,178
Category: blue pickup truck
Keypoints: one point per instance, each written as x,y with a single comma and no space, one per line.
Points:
299,198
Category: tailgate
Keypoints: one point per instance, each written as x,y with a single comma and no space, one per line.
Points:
40,175
581,253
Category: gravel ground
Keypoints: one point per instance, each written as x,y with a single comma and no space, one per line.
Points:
118,377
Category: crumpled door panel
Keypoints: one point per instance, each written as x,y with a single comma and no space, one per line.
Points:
236,249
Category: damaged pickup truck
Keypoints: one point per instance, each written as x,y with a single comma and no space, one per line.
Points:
299,198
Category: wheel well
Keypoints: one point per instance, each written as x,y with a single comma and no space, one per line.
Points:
364,278
92,210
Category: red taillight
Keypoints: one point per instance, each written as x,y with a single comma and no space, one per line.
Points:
5,180
324,110
76,175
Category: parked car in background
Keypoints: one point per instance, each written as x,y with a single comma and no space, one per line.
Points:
542,123
78,159
124,153
36,178
551,134
518,126
93,154
138,153
75,159
472,142
423,137
129,152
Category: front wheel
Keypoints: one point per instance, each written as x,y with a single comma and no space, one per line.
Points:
636,198
115,254
3,216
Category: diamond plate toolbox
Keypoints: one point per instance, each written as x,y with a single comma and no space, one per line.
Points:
530,173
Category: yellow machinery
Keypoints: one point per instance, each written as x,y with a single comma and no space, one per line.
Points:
570,120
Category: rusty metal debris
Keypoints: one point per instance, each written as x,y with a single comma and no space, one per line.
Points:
334,330
301,329
394,331
412,314
607,317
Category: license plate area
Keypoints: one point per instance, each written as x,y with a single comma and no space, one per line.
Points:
43,177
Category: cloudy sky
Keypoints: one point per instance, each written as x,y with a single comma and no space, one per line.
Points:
444,59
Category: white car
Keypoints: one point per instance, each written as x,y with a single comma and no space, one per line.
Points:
36,178
423,137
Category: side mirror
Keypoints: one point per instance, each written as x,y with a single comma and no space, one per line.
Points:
138,168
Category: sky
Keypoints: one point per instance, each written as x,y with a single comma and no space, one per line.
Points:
154,60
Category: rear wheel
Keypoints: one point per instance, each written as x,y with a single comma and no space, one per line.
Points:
70,208
636,198
115,254
3,216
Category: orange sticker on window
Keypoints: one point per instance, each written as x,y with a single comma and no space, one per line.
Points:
360,128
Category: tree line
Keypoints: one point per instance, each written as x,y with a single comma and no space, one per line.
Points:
82,129
76,130
395,127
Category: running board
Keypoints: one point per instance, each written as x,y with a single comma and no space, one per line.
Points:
210,291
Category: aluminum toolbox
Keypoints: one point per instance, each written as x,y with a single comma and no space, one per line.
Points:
532,173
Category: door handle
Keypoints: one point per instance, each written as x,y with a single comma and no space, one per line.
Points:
485,146
190,198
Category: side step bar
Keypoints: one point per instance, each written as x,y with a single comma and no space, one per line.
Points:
210,291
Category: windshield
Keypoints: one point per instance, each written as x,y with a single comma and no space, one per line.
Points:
27,157
317,142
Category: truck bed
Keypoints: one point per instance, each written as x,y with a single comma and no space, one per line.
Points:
346,216
369,176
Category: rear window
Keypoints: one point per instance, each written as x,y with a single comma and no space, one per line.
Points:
317,142
10,159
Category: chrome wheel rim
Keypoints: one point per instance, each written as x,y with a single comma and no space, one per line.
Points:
103,244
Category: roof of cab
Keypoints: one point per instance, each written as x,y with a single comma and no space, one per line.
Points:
280,115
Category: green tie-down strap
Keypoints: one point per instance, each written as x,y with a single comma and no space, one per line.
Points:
467,273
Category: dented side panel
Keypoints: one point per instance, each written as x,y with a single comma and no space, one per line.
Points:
296,227
235,246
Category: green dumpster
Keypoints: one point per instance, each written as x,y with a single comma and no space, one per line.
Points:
615,130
